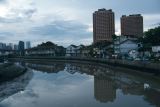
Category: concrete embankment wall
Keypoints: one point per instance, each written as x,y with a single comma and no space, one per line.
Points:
137,65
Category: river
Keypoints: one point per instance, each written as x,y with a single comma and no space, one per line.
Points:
66,84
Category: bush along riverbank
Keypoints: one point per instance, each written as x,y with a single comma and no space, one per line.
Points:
10,71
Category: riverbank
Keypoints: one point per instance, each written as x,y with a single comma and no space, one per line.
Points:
10,71
144,66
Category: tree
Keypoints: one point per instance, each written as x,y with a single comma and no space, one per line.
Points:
101,44
114,37
152,36
47,44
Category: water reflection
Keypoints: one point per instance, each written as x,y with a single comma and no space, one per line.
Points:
54,68
11,87
104,88
153,97
73,84
106,81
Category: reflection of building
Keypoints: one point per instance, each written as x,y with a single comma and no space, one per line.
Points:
104,89
103,25
47,68
72,69
132,88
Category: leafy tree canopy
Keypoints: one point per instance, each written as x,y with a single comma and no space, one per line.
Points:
47,44
102,44
152,36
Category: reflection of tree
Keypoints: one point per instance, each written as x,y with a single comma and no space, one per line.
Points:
54,68
132,88
9,88
89,69
104,89
152,96
106,81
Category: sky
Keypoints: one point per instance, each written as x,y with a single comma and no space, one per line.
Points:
66,22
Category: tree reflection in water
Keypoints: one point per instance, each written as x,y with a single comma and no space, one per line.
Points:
12,87
107,81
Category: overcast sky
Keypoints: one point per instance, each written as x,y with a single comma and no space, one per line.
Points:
65,22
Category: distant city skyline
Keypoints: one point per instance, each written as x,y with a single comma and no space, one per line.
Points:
65,22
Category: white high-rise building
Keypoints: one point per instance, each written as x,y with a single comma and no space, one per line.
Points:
28,44
15,47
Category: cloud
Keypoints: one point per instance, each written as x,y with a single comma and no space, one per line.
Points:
151,20
16,11
66,31
18,16
13,20
65,22
5,35
2,1
60,27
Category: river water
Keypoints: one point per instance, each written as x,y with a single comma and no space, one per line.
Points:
64,84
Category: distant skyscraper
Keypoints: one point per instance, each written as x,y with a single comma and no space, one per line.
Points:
132,25
3,46
28,44
15,47
21,47
11,46
103,25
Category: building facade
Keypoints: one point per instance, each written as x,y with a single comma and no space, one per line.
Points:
46,49
21,48
132,25
74,51
15,47
103,25
126,46
3,46
28,45
156,51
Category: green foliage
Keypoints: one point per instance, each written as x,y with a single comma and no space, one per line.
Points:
146,47
101,44
152,36
114,37
47,44
59,50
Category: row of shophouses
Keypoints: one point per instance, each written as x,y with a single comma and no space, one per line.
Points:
122,47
